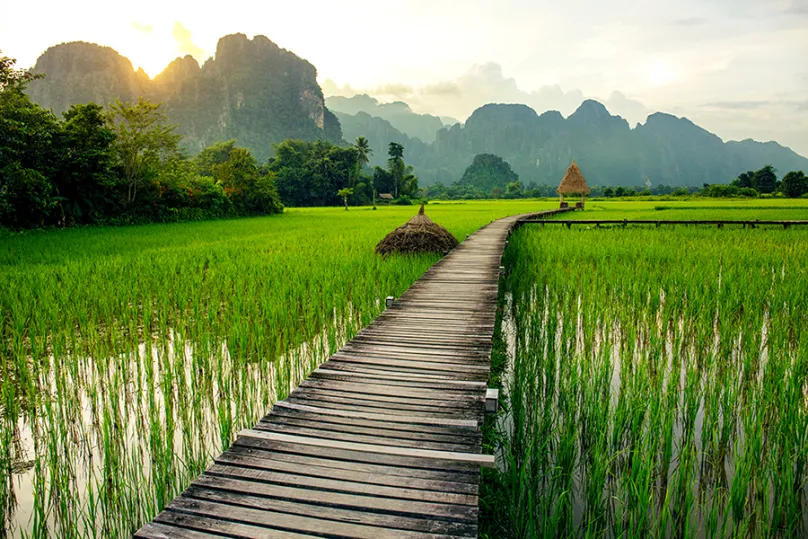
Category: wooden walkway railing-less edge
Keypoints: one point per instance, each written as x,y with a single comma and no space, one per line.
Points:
383,440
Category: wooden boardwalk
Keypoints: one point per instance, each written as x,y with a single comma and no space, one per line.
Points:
383,440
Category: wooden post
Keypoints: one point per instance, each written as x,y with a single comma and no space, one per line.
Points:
491,400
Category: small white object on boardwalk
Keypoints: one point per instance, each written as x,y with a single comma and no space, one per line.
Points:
383,440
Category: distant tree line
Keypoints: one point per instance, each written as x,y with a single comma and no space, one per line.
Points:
489,176
761,182
124,164
322,174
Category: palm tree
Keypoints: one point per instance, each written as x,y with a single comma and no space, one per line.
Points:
363,151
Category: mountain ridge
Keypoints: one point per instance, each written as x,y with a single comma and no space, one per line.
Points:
260,94
251,90
665,149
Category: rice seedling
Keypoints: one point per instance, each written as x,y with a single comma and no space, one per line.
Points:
658,382
129,357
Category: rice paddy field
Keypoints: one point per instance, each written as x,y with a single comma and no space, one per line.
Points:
131,356
655,379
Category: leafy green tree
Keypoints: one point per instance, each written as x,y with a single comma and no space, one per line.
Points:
28,154
765,180
12,77
311,173
794,184
345,193
744,179
86,181
250,191
213,155
144,138
383,180
514,190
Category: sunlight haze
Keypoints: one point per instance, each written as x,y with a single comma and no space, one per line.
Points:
734,67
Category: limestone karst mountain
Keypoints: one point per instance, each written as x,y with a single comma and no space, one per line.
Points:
251,90
260,94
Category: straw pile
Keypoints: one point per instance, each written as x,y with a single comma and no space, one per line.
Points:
418,235
573,182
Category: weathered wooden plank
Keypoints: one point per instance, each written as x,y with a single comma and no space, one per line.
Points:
354,462
356,436
466,395
445,401
428,432
380,432
331,513
471,458
271,520
325,468
380,407
339,485
426,365
392,379
460,513
156,530
190,520
403,418
406,369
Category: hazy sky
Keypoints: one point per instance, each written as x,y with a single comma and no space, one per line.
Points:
736,67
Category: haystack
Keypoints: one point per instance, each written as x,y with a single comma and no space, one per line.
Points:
573,183
418,235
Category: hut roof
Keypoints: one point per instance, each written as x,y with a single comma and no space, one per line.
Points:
573,182
418,235
386,196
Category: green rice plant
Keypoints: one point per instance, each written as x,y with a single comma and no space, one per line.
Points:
130,357
658,384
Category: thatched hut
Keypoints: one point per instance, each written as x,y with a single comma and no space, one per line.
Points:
573,183
418,235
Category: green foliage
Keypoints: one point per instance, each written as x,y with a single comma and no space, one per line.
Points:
794,184
213,155
765,180
28,158
311,173
156,344
116,167
488,171
345,193
656,381
86,183
400,174
720,190
12,77
143,139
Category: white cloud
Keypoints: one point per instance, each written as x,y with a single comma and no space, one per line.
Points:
670,56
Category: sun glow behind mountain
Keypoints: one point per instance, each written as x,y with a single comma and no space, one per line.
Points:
734,66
